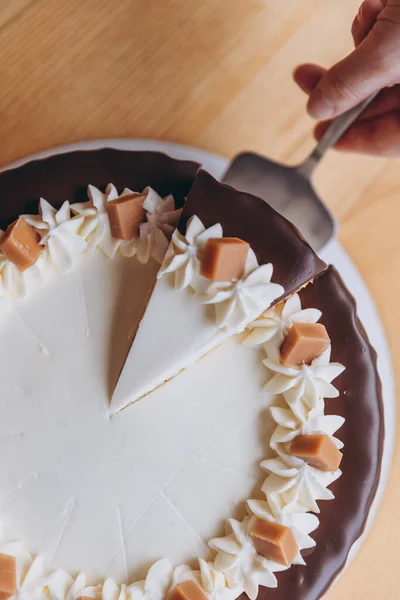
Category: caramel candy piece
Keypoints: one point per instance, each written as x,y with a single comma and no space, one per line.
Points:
273,541
303,343
8,577
188,590
126,213
21,244
317,450
224,259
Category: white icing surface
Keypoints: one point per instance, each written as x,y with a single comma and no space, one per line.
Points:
84,476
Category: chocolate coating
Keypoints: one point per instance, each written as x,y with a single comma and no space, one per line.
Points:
66,176
272,237
342,520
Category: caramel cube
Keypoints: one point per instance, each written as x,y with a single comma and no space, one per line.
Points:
126,213
273,541
224,259
318,450
21,244
188,590
303,343
8,576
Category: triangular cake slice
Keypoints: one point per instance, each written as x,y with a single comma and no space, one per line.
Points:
189,314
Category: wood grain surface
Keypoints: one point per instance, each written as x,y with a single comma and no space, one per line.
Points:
214,74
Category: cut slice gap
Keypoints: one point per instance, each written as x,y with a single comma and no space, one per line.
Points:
127,314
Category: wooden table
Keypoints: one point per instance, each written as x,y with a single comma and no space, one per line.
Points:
215,74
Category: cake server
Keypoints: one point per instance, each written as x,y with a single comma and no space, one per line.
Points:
289,190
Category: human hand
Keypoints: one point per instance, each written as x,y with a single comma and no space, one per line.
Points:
372,66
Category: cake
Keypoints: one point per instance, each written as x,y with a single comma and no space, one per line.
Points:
116,499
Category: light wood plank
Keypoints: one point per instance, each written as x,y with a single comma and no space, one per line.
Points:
10,9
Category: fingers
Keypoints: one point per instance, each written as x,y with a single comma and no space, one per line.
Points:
365,19
378,136
307,76
373,65
377,132
387,101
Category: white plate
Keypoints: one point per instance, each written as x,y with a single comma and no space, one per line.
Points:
333,254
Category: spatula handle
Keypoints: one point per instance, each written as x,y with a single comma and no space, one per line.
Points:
338,127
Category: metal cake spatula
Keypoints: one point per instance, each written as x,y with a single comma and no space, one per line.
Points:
289,190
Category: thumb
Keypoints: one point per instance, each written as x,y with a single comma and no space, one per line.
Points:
372,66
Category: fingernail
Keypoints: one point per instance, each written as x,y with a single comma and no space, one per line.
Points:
319,107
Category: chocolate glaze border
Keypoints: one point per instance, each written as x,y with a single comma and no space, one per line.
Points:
343,520
65,176
272,237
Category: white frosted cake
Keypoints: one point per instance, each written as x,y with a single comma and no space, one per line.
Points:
148,485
